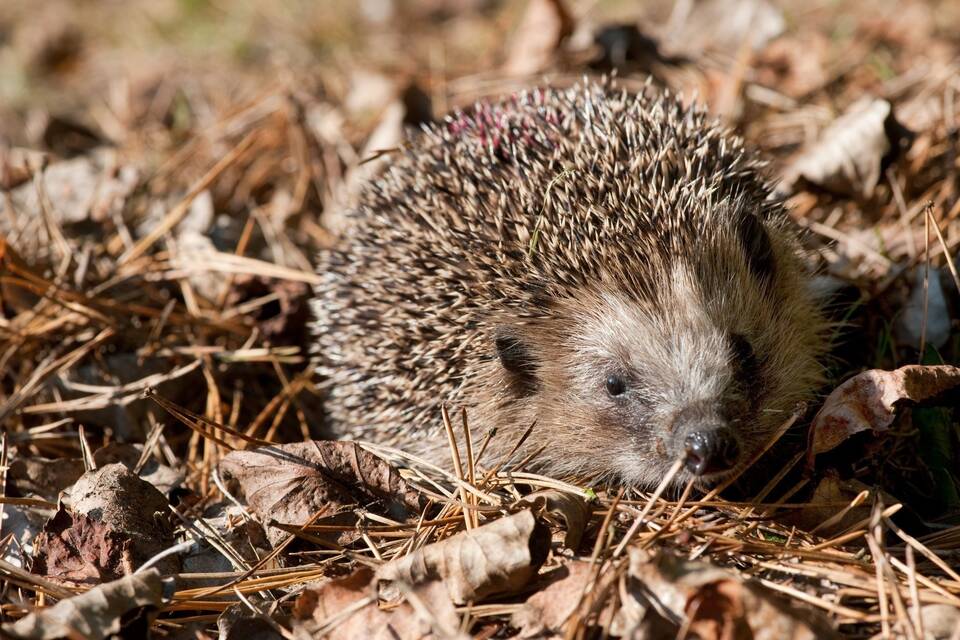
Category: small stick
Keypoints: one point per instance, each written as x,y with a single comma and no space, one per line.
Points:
457,466
673,518
914,592
674,470
873,533
86,453
946,251
471,468
926,283
916,544
598,547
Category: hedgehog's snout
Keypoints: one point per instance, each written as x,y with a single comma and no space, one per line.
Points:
711,449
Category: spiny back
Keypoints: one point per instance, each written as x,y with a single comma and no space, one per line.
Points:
503,215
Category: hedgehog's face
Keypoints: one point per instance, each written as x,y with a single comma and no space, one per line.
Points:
704,372
667,383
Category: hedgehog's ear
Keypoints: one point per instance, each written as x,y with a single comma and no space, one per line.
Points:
758,248
517,361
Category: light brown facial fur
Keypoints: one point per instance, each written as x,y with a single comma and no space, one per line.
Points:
611,267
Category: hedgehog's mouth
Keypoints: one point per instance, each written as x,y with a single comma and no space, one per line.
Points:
708,481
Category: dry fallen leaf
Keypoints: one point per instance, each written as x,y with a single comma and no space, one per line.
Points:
20,525
80,189
80,549
70,193
125,502
869,401
95,614
849,155
794,65
244,535
115,523
573,509
821,512
499,557
290,483
33,476
243,622
332,602
718,604
542,29
549,608
725,26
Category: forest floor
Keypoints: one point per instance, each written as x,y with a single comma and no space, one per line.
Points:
168,171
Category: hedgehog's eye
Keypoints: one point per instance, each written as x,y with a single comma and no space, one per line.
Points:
616,385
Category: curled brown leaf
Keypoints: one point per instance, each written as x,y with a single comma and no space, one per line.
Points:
869,401
497,558
572,509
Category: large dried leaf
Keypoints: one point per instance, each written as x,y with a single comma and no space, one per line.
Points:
324,607
290,483
499,557
718,604
848,157
115,523
125,502
77,548
95,614
34,476
869,401
546,611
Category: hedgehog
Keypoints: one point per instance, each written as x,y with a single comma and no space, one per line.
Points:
611,268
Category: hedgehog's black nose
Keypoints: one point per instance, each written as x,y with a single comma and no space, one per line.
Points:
711,451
